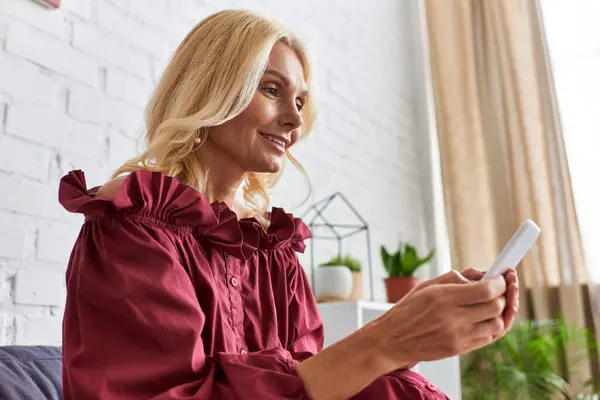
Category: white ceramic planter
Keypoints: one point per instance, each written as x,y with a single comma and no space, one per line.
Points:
333,283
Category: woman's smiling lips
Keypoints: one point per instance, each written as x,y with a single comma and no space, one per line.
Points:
276,141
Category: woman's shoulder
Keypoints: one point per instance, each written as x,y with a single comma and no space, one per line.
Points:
161,199
148,193
111,188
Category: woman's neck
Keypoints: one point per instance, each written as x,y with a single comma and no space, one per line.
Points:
217,190
223,178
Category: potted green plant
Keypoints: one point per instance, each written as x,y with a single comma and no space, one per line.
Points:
401,267
526,362
355,268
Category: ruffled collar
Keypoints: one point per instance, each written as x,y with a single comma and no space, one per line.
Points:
165,199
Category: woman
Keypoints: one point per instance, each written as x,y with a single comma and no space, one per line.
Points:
178,290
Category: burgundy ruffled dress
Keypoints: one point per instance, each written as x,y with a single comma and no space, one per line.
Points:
171,297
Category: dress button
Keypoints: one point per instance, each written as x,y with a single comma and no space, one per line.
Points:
243,351
431,387
234,281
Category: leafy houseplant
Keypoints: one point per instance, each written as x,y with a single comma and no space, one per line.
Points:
352,263
355,268
526,363
401,267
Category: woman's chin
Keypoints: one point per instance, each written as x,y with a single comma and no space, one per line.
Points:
270,166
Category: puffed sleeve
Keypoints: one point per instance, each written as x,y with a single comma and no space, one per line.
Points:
133,326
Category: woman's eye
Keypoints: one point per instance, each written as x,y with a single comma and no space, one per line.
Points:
300,106
271,90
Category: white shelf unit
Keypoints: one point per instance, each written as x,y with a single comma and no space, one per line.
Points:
340,319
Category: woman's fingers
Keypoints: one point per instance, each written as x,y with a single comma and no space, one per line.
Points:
509,317
488,329
476,292
484,311
511,276
483,337
460,306
472,274
512,297
478,343
449,277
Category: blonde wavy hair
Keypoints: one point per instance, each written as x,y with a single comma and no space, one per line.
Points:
210,79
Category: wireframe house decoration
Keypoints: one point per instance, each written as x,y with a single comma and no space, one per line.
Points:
316,217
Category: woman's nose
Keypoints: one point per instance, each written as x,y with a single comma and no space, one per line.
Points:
291,119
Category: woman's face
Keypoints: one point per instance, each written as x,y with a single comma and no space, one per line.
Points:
258,138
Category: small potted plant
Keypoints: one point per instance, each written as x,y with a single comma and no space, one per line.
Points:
401,267
335,279
355,268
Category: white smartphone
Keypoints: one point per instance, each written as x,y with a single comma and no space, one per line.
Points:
516,248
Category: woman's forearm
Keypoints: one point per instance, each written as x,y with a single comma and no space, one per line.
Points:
347,367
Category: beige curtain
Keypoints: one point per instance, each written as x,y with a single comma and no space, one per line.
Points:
502,152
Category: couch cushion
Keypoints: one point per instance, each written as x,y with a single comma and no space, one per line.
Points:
30,373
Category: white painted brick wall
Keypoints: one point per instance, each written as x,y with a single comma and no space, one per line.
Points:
127,87
32,330
21,195
13,239
37,286
69,135
73,84
2,323
26,83
2,280
81,8
55,243
110,50
31,44
54,24
119,23
99,108
13,151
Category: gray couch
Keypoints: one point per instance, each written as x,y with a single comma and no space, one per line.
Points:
30,373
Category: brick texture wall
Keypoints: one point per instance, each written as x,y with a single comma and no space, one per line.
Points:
73,83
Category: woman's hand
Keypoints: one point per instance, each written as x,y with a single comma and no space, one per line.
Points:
512,294
449,315
446,316
472,275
